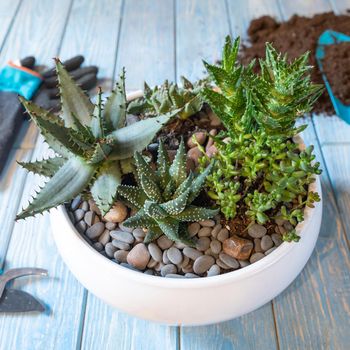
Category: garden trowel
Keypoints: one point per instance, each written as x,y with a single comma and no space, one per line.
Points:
330,37
13,300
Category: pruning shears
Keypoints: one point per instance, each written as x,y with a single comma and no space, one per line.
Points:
13,300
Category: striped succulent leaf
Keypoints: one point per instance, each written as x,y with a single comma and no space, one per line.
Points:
92,144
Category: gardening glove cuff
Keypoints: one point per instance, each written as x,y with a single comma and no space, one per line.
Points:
20,80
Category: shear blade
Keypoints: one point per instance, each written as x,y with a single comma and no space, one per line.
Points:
14,300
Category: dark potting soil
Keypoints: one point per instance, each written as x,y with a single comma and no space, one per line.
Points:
296,36
336,66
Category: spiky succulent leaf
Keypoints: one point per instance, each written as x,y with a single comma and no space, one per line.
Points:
70,180
73,99
193,213
104,188
132,194
177,169
163,211
98,126
135,137
197,184
152,234
114,112
46,167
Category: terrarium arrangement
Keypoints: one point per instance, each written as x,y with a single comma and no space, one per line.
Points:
191,180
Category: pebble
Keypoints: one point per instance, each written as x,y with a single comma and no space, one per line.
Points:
139,233
266,243
110,249
155,252
98,246
204,232
288,226
124,228
96,220
110,225
222,234
95,230
207,223
203,243
243,263
139,256
164,242
174,275
270,250
81,226
193,228
191,275
256,257
79,214
187,269
280,222
84,206
149,272
158,267
104,238
229,260
200,137
120,255
165,257
237,247
192,253
221,264
209,252
168,269
174,255
215,246
277,239
180,245
212,150
121,245
184,262
89,217
194,154
117,213
210,142
257,245
94,207
152,263
123,236
203,264
214,271
75,203
257,231
216,230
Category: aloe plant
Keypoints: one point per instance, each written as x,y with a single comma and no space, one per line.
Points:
163,197
169,97
91,142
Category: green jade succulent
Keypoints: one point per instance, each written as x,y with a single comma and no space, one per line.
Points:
92,145
169,97
163,197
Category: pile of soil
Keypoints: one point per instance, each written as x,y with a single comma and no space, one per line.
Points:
336,66
297,35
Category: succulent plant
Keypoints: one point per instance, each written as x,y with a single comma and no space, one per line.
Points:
169,97
271,100
163,197
92,144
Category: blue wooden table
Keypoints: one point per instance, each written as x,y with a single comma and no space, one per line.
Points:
157,40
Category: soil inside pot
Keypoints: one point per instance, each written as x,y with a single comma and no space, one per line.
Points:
296,36
336,66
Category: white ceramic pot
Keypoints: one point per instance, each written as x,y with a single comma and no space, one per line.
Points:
180,301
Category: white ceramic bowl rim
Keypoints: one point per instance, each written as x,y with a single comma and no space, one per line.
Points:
284,249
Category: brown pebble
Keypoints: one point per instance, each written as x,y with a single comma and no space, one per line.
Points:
194,154
200,138
117,213
238,247
139,256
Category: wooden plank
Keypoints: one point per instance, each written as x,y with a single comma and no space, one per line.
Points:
8,10
314,311
201,27
119,330
146,45
208,24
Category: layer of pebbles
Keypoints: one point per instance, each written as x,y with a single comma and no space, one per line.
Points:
216,250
